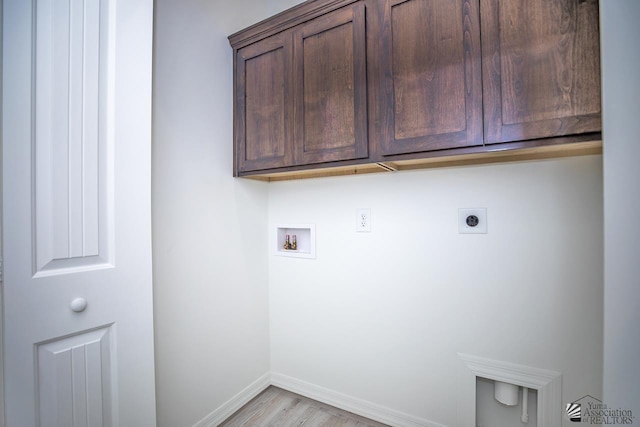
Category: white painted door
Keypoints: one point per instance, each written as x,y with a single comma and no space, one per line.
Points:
76,213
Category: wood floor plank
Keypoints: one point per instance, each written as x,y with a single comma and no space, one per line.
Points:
285,413
294,412
250,414
275,407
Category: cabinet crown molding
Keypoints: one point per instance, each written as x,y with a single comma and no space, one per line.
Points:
285,20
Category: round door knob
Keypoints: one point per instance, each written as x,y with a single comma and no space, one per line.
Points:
78,305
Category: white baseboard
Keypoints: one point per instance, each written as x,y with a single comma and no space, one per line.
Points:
351,404
236,402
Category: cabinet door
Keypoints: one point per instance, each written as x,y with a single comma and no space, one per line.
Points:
264,104
430,67
541,68
331,87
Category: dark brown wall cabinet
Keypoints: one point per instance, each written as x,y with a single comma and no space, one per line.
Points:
541,62
348,82
301,94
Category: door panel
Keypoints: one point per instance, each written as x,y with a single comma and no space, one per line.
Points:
264,101
541,68
76,213
330,81
328,119
430,75
75,380
72,144
434,47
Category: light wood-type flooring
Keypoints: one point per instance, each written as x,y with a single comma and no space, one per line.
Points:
275,407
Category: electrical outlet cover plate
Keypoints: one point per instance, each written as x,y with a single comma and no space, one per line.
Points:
480,213
363,220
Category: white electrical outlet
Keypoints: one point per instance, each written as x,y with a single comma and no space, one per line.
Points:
472,221
363,220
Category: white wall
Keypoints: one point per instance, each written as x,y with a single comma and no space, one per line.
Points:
277,6
376,316
621,95
381,316
1,240
210,268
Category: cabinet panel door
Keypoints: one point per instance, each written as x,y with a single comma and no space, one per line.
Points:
264,105
430,67
541,68
331,87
